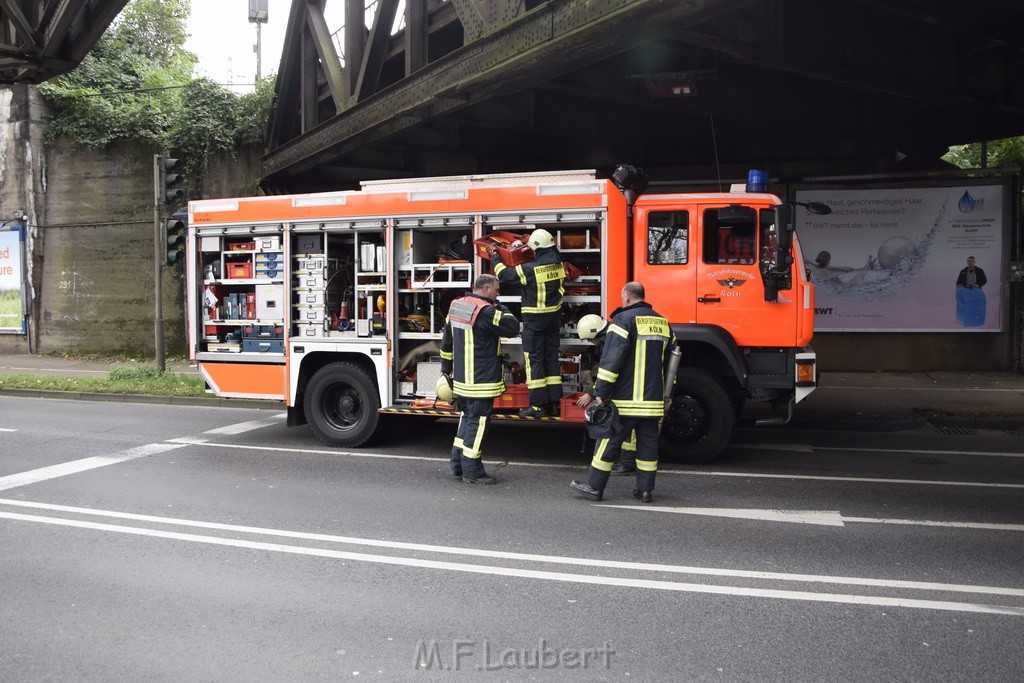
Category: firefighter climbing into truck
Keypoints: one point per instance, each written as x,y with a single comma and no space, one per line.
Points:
333,304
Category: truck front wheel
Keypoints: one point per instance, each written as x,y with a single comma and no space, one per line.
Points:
340,404
699,424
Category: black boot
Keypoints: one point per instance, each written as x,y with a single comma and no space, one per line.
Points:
643,496
586,490
621,470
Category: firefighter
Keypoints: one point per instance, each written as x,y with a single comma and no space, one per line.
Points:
638,346
593,327
542,290
471,358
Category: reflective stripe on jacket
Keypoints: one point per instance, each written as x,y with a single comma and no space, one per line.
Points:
637,346
541,280
471,346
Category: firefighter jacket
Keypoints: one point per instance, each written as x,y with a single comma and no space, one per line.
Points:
541,280
636,350
471,345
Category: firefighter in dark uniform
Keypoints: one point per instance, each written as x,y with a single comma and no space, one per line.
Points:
542,290
632,376
471,357
593,327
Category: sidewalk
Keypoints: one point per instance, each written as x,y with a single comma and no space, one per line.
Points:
843,400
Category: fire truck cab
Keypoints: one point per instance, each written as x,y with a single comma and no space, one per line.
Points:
333,303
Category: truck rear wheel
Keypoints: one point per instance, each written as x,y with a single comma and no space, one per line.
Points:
340,404
699,424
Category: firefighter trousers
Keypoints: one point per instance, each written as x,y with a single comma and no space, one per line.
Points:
608,450
540,349
469,438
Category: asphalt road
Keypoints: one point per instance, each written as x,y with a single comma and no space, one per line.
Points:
154,542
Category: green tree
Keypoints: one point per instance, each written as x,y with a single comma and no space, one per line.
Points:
1001,153
137,84
126,87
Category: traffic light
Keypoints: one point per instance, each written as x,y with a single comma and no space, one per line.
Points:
174,239
168,180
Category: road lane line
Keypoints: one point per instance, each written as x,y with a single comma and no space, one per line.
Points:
249,426
807,448
924,522
4,429
75,466
819,517
923,452
836,598
516,463
523,557
867,480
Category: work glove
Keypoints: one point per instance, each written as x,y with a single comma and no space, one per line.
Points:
495,257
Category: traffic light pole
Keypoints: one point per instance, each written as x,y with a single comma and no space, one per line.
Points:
158,259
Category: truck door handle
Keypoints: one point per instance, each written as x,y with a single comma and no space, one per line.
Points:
709,299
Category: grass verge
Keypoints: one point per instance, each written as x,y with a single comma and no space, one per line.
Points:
144,379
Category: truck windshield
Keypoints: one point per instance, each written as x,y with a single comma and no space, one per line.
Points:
730,235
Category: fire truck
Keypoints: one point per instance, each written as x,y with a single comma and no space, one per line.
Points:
334,303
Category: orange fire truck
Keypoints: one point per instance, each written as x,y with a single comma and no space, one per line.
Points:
333,303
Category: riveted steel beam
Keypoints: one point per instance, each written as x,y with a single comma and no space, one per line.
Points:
557,37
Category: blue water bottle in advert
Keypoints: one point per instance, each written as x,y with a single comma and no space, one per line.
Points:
970,307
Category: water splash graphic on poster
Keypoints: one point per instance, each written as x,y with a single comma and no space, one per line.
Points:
917,259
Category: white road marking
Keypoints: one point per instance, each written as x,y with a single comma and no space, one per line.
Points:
921,452
43,473
524,557
868,480
518,463
243,427
4,429
824,517
532,573
807,448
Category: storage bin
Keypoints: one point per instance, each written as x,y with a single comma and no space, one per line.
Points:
263,345
501,241
270,243
239,271
570,411
515,396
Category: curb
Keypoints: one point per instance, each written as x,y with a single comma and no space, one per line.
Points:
213,402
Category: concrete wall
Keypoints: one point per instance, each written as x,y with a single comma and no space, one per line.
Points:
91,237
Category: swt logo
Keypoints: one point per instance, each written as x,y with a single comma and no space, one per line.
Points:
822,311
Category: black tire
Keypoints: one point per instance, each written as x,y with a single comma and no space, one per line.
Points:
699,423
341,403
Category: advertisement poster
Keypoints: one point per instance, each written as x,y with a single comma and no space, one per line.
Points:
918,259
12,242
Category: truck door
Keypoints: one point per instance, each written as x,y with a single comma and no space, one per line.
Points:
730,290
667,270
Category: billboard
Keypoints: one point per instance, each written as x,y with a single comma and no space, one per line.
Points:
12,247
909,259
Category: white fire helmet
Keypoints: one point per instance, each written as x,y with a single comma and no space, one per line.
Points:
540,239
589,326
443,389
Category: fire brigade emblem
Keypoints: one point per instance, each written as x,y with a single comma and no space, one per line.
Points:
731,282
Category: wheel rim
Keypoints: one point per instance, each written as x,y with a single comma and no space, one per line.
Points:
688,419
342,407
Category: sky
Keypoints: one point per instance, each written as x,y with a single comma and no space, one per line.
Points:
223,39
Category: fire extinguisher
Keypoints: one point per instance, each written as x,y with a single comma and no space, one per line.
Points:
343,313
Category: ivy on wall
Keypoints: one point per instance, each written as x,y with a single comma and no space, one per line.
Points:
137,84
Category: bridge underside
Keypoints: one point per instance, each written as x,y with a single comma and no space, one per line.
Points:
688,89
42,39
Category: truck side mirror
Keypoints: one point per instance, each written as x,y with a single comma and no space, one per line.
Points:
784,220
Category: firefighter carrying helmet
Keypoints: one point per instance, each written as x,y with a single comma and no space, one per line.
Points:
589,326
541,239
443,388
